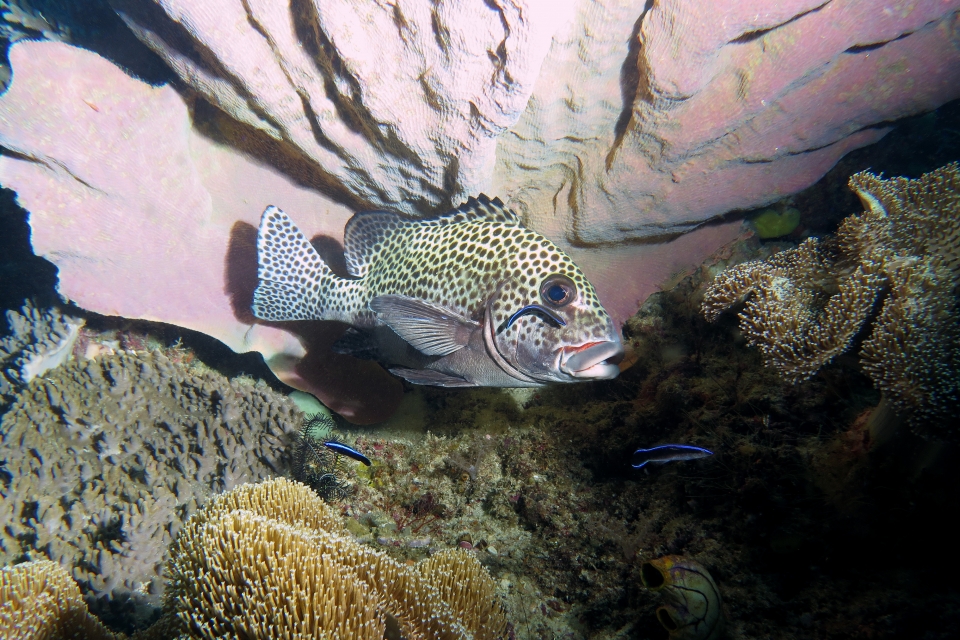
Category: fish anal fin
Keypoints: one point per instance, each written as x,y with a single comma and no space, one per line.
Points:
431,377
431,329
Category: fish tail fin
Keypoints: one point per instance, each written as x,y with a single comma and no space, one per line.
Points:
292,278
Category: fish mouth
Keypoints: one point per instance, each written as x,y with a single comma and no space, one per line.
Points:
593,360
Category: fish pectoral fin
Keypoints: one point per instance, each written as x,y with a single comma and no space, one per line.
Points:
431,329
431,377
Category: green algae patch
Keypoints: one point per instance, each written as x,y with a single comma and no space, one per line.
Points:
775,221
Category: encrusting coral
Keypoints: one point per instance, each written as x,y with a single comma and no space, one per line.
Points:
274,560
39,340
40,601
899,263
103,459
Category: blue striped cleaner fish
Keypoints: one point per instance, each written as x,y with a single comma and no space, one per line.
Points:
338,447
667,453
468,298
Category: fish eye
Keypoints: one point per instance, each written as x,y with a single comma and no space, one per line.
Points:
558,290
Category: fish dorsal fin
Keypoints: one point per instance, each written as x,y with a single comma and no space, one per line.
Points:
362,234
365,230
431,329
481,208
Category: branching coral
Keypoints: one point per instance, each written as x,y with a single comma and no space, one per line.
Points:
273,560
900,258
103,459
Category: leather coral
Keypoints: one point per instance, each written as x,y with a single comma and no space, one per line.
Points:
897,263
40,601
273,560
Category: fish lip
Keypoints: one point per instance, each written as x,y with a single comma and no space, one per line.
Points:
594,360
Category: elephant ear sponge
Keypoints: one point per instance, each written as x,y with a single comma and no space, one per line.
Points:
273,560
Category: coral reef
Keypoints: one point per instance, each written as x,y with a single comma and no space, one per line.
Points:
912,230
104,459
786,315
273,559
897,263
39,340
790,515
40,601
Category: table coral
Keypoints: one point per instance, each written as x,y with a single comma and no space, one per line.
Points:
897,263
234,557
103,460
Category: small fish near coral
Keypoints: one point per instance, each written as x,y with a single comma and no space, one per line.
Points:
346,450
465,299
667,453
317,454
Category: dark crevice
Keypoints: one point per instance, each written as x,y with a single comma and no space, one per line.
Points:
630,86
23,274
861,48
750,36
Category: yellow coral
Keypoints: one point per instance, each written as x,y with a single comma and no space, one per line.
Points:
274,561
804,306
465,584
40,601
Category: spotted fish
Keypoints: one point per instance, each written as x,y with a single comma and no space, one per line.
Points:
468,298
